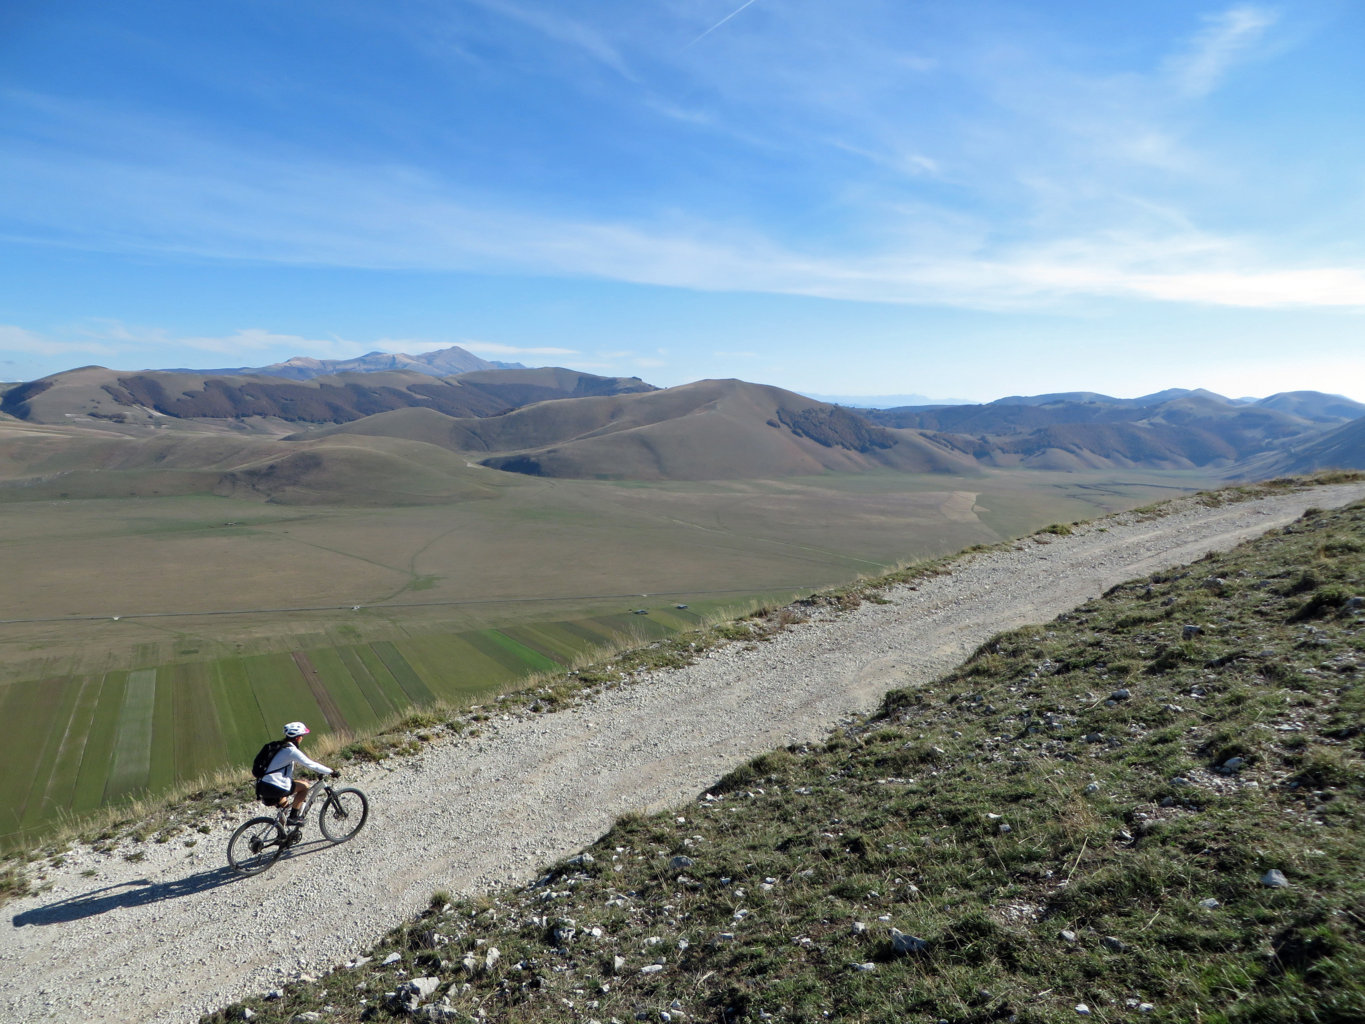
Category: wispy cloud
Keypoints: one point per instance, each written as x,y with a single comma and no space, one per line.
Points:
1226,38
561,29
500,349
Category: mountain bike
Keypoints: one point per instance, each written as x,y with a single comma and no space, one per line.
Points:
259,843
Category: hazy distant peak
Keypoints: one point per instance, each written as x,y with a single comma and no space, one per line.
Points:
444,362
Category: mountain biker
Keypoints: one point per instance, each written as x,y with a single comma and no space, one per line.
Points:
275,787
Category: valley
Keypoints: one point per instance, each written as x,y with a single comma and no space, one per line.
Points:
192,554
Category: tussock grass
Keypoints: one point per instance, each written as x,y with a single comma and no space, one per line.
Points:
1057,820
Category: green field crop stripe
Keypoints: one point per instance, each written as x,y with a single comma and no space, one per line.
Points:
61,787
364,678
199,745
133,741
281,692
515,655
355,706
162,771
382,677
62,696
326,702
244,728
408,679
548,639
99,745
29,710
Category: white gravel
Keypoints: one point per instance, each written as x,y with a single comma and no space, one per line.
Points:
176,934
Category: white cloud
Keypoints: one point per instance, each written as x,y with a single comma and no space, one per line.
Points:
500,349
16,340
1227,37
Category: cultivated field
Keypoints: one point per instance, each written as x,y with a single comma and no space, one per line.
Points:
145,640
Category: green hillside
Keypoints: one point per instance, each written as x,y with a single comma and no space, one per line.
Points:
1149,809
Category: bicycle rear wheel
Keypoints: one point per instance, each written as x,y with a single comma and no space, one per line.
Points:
256,845
343,814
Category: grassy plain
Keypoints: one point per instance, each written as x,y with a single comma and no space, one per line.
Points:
1086,820
147,639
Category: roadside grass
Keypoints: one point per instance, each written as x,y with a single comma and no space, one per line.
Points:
1085,813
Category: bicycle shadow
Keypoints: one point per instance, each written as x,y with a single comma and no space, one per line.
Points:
142,892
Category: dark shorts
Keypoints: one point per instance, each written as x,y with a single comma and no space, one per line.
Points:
270,795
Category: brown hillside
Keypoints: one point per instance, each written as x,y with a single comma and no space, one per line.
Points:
136,401
1342,448
40,462
706,430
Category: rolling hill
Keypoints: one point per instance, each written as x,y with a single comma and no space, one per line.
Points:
111,399
715,429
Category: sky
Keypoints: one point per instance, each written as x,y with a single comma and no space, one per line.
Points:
871,197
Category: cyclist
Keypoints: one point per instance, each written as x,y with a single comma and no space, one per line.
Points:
275,787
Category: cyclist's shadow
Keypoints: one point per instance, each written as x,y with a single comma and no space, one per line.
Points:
140,892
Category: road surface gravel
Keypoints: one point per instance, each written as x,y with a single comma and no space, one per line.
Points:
165,938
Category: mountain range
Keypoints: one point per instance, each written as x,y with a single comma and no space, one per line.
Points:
314,423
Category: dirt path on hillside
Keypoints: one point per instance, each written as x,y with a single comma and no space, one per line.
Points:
173,934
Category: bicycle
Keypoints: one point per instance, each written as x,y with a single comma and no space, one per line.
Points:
258,843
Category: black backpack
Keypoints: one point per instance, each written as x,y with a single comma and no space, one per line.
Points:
266,755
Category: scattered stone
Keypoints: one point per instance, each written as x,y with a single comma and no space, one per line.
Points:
1232,765
1190,632
1274,878
618,964
1067,935
1180,782
1210,903
864,967
1115,943
1082,1009
1121,694
679,863
859,928
1146,1008
392,958
651,968
247,1013
1004,829
902,943
1092,788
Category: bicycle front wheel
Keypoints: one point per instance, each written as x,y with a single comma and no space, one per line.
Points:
256,845
343,814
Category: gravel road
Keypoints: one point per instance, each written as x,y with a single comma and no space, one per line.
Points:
170,936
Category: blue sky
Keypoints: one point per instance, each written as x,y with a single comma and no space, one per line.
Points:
961,200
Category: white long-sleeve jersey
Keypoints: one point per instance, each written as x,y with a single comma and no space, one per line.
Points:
280,771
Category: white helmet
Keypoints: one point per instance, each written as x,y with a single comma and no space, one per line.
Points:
295,729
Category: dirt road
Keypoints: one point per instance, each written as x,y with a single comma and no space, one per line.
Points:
167,936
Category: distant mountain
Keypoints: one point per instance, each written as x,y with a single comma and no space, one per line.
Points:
708,430
98,396
1173,429
1315,406
884,401
1342,448
442,363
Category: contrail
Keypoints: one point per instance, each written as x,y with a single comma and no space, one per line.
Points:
718,24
